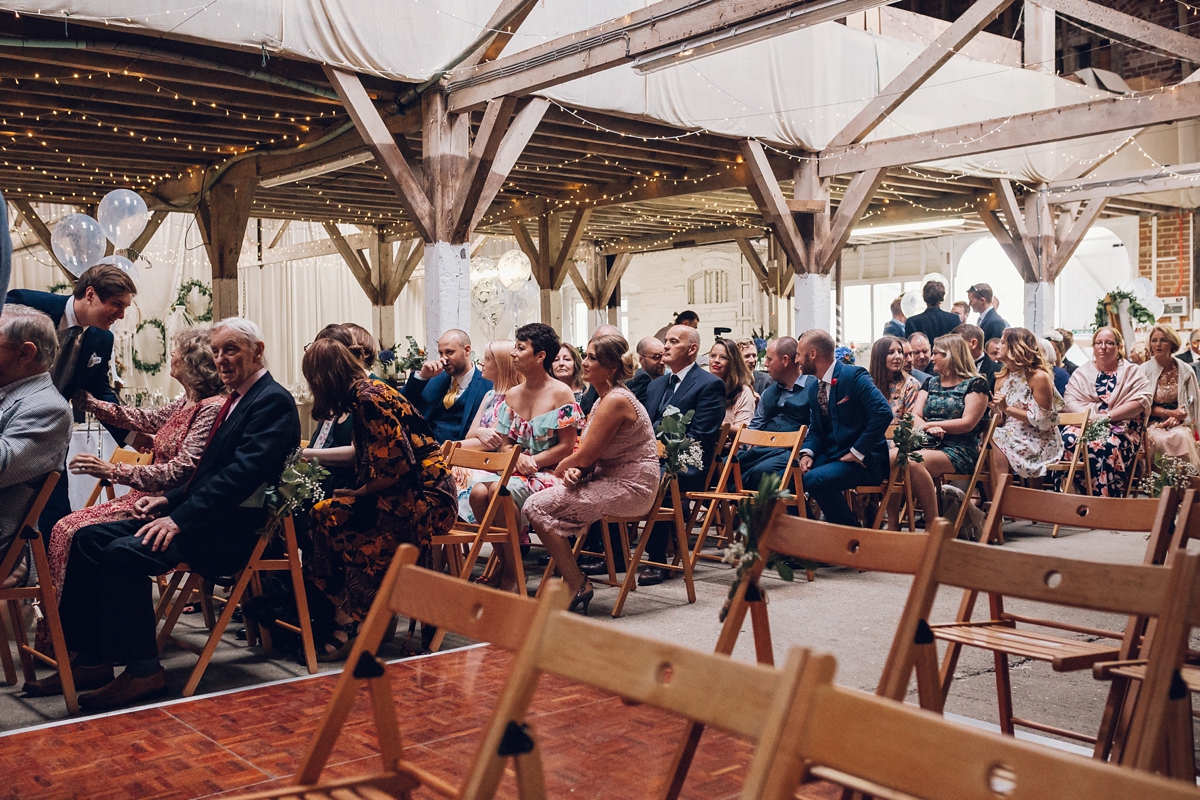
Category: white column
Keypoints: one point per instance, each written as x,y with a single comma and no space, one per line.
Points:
811,303
447,290
1039,307
1039,37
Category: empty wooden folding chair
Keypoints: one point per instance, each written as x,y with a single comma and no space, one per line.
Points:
119,456
667,509
42,593
242,581
1076,459
978,476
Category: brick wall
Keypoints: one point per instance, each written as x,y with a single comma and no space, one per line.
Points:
1174,253
1133,61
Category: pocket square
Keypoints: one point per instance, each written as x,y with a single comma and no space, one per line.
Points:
93,361
843,400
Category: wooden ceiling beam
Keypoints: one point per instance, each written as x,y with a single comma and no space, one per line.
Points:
480,161
504,21
764,188
509,151
355,261
1067,244
1167,40
1172,178
854,204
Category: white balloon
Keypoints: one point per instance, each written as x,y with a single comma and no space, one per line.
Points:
123,215
123,263
78,242
1142,289
912,303
936,277
515,270
1155,306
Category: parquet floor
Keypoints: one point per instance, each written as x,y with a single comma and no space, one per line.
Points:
594,746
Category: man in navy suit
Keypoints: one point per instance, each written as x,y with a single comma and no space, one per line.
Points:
980,297
846,445
933,321
212,523
85,344
688,388
449,409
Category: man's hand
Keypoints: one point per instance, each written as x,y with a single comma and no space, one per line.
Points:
149,507
432,368
850,458
143,442
159,533
805,464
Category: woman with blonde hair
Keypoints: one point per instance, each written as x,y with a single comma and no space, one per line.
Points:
725,361
1175,408
497,366
1116,391
568,368
1027,406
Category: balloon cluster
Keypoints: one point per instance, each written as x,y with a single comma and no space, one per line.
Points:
1143,290
912,302
78,240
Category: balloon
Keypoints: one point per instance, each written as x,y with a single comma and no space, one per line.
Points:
912,303
515,270
482,268
1155,305
78,242
1142,289
936,277
123,263
123,215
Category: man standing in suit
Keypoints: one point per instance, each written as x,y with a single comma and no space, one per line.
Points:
212,523
448,390
688,388
35,420
895,325
846,445
980,298
933,322
85,345
650,356
783,407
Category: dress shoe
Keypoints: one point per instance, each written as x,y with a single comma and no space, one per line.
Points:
599,568
583,597
653,576
86,678
126,689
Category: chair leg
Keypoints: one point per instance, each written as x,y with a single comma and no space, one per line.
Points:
630,583
176,608
49,603
10,667
14,607
165,593
1004,693
308,645
206,604
218,630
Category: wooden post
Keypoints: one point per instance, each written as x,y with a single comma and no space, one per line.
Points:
222,216
1039,37
446,143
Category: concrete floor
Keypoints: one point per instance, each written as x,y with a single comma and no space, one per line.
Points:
849,614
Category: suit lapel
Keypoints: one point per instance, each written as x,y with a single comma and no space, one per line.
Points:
236,415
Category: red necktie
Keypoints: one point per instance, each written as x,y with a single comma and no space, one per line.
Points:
221,417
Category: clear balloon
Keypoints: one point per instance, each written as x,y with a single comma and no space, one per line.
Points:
936,277
1155,306
78,242
515,270
912,303
122,215
1142,289
123,263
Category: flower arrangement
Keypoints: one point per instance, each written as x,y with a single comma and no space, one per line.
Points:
1167,471
1108,309
1099,429
390,362
909,441
680,451
298,489
844,354
754,513
761,337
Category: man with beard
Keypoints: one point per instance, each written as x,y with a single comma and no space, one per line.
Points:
448,390
650,357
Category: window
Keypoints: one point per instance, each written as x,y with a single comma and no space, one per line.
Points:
709,287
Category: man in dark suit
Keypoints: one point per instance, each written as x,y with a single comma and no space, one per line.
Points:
846,445
933,322
1192,354
85,344
988,367
650,356
212,523
895,325
448,390
917,350
688,388
980,298
782,407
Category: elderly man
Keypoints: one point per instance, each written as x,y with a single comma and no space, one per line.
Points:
448,390
688,388
650,358
212,523
782,407
35,420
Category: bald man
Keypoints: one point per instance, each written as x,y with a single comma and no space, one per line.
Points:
650,357
448,390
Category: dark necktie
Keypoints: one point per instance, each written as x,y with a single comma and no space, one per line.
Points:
68,354
224,412
823,402
672,383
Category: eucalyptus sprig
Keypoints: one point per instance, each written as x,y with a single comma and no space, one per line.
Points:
298,490
754,513
1098,429
680,451
909,441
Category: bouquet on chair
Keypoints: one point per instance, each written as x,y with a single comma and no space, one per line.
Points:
754,513
909,441
1168,471
680,452
298,490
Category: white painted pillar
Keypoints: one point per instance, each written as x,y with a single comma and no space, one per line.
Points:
811,302
1039,37
1039,307
447,290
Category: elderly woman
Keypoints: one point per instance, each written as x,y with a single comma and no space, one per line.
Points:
568,368
887,371
1027,405
727,363
403,493
1115,391
180,432
1175,411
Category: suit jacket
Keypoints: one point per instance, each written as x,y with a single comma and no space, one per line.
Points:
933,322
35,430
446,423
638,384
95,352
920,376
762,382
894,327
702,392
988,369
590,396
782,411
992,323
859,416
220,511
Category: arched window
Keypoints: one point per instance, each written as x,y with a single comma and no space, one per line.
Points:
709,287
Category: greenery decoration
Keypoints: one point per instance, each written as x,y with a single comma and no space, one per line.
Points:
62,287
754,513
413,359
1099,429
1108,309
151,368
185,293
1168,471
909,441
298,490
679,450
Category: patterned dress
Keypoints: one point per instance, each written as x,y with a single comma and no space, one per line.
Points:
355,538
1180,440
1110,457
466,478
947,403
903,395
1029,446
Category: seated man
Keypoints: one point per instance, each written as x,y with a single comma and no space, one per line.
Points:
988,368
846,445
448,390
35,420
782,407
212,523
650,360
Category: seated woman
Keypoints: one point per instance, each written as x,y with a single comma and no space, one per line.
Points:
180,431
539,414
887,371
616,465
1027,404
1115,390
333,443
1052,355
1176,409
726,362
949,410
497,367
403,493
568,368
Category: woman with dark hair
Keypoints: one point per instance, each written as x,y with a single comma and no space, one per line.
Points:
541,415
933,321
725,361
616,465
887,371
333,442
568,368
403,493
365,348
1027,404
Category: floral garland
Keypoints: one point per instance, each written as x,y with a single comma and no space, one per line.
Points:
1108,309
62,287
185,293
147,367
754,513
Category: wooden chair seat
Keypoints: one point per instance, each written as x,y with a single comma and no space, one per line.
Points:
380,786
1064,655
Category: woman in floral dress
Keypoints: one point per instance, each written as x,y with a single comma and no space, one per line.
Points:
1176,408
1118,395
1027,404
497,367
180,431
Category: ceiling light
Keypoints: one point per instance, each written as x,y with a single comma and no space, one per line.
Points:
909,227
314,170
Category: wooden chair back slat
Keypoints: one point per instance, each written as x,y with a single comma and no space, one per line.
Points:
780,439
857,548
499,463
1080,511
119,456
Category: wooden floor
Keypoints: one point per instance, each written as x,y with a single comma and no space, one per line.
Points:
594,746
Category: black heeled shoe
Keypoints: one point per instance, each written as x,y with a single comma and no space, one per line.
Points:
583,597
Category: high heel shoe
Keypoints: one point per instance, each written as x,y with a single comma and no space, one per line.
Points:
583,597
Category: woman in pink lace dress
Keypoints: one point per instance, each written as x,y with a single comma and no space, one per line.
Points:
180,432
616,465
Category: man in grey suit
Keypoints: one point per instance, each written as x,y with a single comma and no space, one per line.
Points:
35,420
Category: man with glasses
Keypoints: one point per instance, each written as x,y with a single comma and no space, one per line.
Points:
650,355
980,297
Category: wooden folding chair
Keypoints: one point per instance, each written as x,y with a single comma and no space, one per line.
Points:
242,581
42,593
978,476
1141,458
897,483
1132,590
667,508
119,456
1077,459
